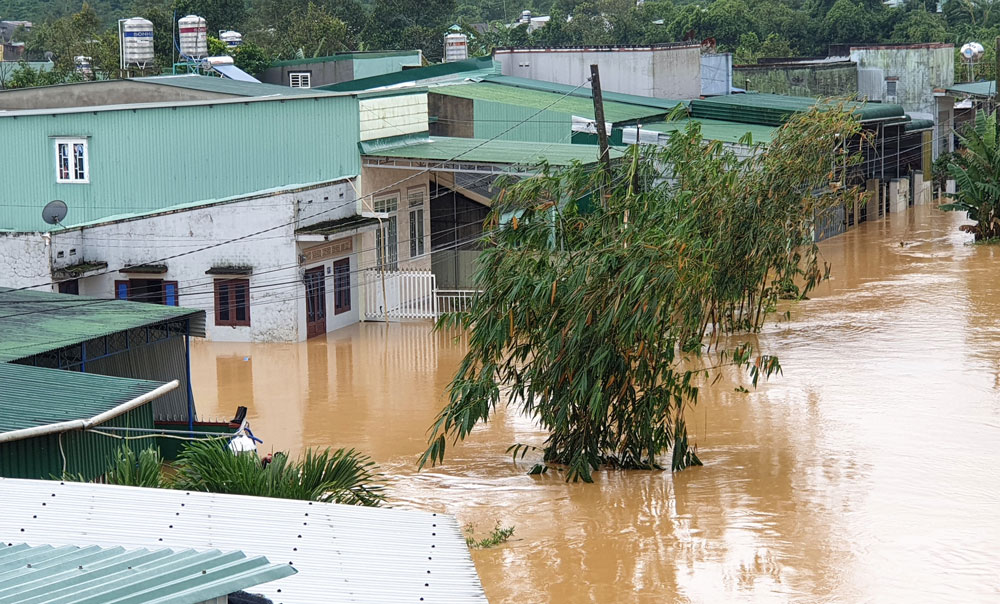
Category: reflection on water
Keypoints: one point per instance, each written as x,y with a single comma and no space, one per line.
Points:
867,472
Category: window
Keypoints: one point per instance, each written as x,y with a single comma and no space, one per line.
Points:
72,163
71,286
341,286
232,302
386,238
890,88
151,291
300,79
415,199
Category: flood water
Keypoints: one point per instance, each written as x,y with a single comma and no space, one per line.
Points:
869,471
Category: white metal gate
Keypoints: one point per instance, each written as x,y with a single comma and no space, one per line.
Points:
408,295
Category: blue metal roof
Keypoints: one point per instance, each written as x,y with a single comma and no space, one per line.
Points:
113,575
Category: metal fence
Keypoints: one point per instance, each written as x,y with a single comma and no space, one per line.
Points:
454,300
407,295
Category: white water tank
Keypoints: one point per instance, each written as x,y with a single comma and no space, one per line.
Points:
193,36
972,52
137,42
525,16
231,38
456,47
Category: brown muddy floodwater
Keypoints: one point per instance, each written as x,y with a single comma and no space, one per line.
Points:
867,472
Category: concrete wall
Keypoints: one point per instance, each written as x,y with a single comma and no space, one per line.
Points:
93,94
455,115
24,259
917,69
716,73
379,183
838,79
670,72
322,73
277,305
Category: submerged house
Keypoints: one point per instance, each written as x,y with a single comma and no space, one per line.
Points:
257,226
74,366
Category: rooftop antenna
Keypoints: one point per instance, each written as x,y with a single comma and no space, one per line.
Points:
54,211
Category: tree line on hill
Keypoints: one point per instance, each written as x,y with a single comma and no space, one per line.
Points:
288,29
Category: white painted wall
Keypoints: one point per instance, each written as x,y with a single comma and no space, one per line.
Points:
267,221
665,72
388,116
24,260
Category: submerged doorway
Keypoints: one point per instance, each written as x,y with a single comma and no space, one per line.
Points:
315,280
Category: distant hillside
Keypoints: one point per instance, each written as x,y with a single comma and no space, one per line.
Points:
38,11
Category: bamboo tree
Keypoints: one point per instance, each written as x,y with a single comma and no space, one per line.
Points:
590,317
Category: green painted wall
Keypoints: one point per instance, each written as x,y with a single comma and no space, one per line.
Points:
86,453
376,66
838,80
492,118
146,159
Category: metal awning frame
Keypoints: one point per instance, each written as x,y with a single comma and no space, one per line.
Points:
399,163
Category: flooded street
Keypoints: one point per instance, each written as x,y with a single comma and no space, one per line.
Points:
869,471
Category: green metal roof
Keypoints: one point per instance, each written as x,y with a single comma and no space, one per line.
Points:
919,124
981,89
194,81
113,575
775,109
37,396
490,151
614,112
478,67
587,93
348,56
33,322
716,130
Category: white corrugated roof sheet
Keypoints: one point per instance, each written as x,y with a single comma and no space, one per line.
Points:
343,553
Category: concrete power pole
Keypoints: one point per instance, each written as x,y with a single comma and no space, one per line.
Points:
602,133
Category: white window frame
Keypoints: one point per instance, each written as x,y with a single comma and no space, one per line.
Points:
300,76
71,143
387,235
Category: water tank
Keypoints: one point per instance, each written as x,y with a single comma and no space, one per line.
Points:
137,42
456,47
194,36
972,52
526,16
231,38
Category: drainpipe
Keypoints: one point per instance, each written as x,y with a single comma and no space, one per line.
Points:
187,375
83,424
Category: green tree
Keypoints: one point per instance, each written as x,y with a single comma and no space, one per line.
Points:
976,170
595,321
847,21
307,31
919,26
219,15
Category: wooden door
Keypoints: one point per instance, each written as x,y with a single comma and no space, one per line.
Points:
315,279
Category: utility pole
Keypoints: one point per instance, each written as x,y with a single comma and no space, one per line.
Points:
996,75
602,133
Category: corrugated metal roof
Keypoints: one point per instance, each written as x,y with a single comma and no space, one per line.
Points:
537,99
716,130
68,574
343,553
456,70
981,89
32,322
775,109
587,93
225,86
35,396
441,148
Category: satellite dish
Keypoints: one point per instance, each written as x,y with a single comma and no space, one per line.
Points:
54,211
